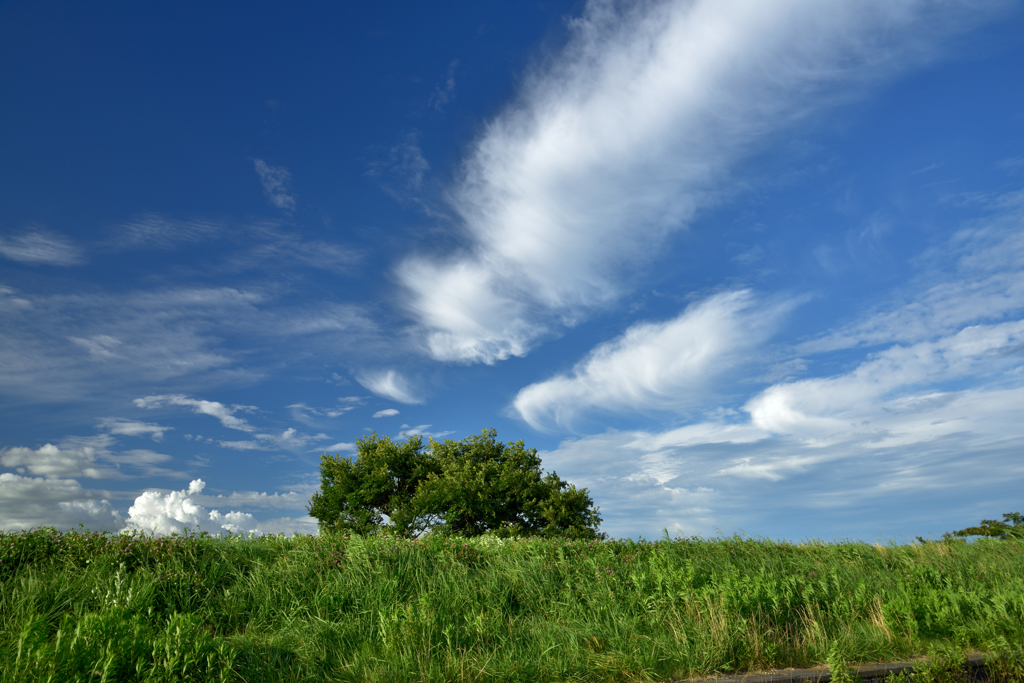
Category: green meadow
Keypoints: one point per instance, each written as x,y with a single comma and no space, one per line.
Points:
83,606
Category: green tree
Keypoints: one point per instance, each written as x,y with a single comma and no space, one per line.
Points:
469,487
484,485
1012,526
356,495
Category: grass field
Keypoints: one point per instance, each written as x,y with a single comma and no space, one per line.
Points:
93,607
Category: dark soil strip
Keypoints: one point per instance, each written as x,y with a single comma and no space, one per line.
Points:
975,672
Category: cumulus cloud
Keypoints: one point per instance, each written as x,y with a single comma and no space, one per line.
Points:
387,412
389,384
32,502
41,247
226,414
663,365
89,457
622,137
275,181
163,514
51,461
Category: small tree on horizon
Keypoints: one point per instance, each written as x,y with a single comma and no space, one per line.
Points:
1012,526
470,487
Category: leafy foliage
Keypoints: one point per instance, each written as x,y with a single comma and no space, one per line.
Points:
356,495
1012,526
469,487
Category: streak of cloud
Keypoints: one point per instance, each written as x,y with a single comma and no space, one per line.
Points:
275,181
41,247
389,384
622,137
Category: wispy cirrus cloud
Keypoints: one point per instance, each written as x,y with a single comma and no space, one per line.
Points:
260,439
41,247
401,169
224,413
443,94
622,137
250,245
121,426
157,231
65,345
389,384
926,381
656,366
275,181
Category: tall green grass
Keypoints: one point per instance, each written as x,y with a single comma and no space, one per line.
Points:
95,607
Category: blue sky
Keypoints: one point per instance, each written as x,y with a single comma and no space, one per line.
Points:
733,266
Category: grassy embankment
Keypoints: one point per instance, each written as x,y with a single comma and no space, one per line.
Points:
90,607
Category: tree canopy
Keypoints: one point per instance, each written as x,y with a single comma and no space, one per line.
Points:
1012,526
470,487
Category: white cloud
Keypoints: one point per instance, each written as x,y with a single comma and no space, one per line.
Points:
443,95
39,246
116,425
275,180
623,136
389,384
291,500
12,303
338,447
153,230
290,525
89,457
127,341
226,414
243,445
985,259
32,502
388,412
421,430
839,453
874,400
162,514
729,477
50,461
401,170
299,410
99,346
663,366
28,502
267,243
